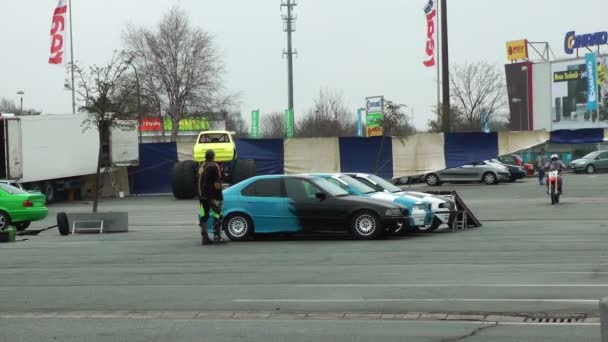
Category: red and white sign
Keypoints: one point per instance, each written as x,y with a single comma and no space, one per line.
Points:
430,11
150,125
58,33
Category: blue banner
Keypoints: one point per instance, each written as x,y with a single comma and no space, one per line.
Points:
359,122
592,86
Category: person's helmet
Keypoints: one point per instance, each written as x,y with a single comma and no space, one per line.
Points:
209,155
554,157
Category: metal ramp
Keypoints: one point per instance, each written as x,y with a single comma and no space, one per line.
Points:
88,225
465,218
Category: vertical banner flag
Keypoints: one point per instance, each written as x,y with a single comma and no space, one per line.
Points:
255,124
592,86
58,33
485,122
360,122
289,123
430,11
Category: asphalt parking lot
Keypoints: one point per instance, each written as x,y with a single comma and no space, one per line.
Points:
529,260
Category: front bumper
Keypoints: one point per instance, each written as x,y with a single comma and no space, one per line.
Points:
444,216
577,167
417,218
504,176
394,224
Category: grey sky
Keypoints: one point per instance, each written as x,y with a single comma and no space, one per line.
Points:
359,47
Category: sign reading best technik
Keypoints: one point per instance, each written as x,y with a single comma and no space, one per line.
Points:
574,41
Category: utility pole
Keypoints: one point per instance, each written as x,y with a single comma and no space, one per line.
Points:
445,111
289,27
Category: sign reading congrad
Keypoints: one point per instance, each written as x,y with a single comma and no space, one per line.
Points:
517,49
375,112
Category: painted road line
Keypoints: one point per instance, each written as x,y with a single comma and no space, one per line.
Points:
453,285
442,300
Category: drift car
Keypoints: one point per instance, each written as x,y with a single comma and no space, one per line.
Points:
294,204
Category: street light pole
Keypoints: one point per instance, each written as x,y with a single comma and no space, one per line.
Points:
21,93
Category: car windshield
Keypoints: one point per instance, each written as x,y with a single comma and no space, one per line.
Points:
591,155
358,186
11,189
384,184
330,188
214,138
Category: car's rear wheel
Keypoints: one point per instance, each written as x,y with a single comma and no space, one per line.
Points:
365,225
489,178
21,226
432,180
5,220
238,227
590,169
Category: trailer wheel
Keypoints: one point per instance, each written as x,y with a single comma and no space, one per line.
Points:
243,169
62,224
184,180
49,191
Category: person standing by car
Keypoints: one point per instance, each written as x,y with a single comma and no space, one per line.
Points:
540,166
210,197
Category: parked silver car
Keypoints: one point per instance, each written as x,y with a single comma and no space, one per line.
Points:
480,172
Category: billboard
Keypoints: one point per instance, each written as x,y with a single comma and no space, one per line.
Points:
520,95
375,113
517,49
185,125
574,105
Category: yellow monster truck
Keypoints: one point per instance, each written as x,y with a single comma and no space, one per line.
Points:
222,143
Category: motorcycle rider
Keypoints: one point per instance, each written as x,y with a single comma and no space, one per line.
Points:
210,197
555,165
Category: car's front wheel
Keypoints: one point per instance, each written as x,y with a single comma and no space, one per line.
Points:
238,227
590,169
21,226
433,180
489,178
365,225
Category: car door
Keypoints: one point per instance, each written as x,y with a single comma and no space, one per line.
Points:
601,162
314,214
268,205
463,173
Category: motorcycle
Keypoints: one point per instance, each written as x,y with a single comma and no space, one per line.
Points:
553,179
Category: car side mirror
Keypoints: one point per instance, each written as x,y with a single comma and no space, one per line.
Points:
321,196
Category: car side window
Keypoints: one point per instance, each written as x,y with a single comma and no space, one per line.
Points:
366,182
338,183
299,189
264,188
603,156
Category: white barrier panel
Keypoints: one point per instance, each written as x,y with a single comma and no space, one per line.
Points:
312,155
418,154
511,142
605,134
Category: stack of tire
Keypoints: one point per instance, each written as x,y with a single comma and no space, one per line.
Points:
184,178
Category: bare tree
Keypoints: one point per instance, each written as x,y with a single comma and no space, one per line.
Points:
477,88
329,117
105,92
272,125
394,123
9,106
236,123
180,66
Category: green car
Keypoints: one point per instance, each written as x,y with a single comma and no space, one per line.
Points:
18,208
594,161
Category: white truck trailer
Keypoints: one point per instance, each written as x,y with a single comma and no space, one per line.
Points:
51,153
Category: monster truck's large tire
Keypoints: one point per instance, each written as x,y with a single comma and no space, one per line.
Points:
183,180
243,169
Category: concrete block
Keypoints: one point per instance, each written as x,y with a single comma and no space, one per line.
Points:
114,222
362,316
475,318
508,319
401,317
438,316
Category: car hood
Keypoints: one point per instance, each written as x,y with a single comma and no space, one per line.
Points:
581,160
382,202
399,199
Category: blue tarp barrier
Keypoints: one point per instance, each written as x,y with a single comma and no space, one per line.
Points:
267,153
360,155
579,136
465,148
153,175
